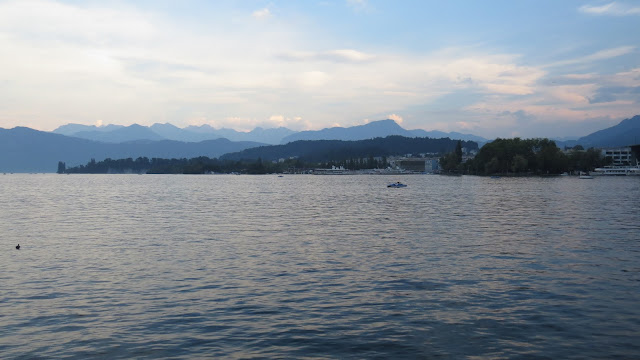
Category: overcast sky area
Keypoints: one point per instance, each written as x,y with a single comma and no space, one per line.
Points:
530,68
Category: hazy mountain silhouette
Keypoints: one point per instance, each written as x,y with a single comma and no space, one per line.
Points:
374,129
281,135
622,134
269,136
626,133
27,150
119,133
70,129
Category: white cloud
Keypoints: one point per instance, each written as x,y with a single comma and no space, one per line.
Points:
610,53
295,122
340,55
262,13
43,21
396,118
78,63
358,5
561,105
312,79
613,8
276,118
597,56
464,125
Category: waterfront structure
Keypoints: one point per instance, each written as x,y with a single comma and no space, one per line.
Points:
617,171
417,164
620,156
335,170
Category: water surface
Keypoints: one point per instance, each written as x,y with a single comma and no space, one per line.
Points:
153,266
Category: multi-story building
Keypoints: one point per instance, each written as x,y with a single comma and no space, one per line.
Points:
620,156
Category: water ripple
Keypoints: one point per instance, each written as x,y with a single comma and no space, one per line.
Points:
318,267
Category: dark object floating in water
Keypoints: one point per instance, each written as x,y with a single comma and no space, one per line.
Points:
396,185
18,247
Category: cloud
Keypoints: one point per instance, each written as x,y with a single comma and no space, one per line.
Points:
615,93
247,124
43,21
613,9
76,62
311,79
396,118
262,13
339,56
295,122
597,56
610,53
358,5
465,125
276,118
564,104
520,116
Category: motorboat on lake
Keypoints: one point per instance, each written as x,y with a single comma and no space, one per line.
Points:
585,175
396,185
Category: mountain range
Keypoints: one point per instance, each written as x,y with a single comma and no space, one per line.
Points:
281,135
27,150
374,129
623,134
155,132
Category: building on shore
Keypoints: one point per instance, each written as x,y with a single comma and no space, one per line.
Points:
620,156
416,164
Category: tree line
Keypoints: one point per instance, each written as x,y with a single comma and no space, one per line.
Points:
524,156
204,165
319,151
502,156
293,157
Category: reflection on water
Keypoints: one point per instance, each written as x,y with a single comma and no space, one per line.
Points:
127,266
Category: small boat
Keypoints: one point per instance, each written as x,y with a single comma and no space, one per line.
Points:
584,175
396,185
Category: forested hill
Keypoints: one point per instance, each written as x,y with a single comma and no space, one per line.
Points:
337,150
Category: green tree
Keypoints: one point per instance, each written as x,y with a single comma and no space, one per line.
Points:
458,153
519,164
516,155
493,166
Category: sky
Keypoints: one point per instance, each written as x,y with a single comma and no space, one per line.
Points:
527,68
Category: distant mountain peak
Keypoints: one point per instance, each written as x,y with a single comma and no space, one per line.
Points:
625,133
373,129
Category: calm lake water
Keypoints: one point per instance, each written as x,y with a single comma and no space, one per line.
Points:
155,266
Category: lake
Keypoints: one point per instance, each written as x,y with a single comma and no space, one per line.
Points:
303,266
